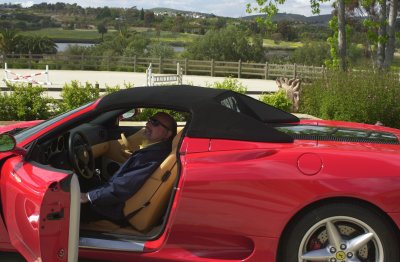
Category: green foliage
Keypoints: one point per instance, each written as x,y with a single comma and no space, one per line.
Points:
113,89
136,45
362,96
36,44
227,44
76,94
146,113
7,107
230,84
102,29
9,39
333,62
278,100
312,54
161,50
26,102
267,7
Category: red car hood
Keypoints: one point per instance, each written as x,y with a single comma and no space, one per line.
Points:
19,125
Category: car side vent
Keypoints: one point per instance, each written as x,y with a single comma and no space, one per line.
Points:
344,139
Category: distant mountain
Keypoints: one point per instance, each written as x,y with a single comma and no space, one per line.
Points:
175,11
318,19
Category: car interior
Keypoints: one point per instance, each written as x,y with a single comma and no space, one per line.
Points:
95,149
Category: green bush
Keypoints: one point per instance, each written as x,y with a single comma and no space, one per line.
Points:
26,102
75,94
7,107
146,113
313,53
278,100
361,96
230,84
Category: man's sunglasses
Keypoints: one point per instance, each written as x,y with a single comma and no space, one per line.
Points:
155,122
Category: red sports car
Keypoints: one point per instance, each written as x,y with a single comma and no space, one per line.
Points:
244,182
17,127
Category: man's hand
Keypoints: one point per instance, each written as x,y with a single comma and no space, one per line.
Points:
84,198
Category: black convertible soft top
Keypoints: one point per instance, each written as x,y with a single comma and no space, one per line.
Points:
215,113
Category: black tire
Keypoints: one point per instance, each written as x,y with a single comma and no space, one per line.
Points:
308,235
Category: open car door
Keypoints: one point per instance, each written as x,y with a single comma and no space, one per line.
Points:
41,208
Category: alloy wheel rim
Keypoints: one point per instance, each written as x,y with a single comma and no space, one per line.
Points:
341,239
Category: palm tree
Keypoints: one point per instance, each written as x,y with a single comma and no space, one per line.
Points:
102,29
9,39
37,45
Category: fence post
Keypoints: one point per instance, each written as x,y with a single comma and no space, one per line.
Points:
134,63
212,67
295,71
266,69
81,61
30,60
160,66
186,66
240,68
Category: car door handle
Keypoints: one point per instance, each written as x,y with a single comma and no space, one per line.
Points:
56,215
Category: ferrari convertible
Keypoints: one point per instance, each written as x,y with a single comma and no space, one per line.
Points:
244,182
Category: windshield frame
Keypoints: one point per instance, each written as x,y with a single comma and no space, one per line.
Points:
26,133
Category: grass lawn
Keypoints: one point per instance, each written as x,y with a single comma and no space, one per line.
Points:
59,34
172,37
281,44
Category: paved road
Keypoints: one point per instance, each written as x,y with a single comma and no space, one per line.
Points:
110,78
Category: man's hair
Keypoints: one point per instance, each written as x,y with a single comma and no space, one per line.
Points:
171,123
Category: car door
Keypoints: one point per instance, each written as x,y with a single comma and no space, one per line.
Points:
39,203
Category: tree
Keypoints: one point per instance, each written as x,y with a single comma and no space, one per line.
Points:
142,14
285,28
160,49
36,44
227,44
312,54
270,9
342,34
390,48
9,39
105,12
102,29
148,18
381,29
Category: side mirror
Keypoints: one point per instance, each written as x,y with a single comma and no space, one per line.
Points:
7,143
129,114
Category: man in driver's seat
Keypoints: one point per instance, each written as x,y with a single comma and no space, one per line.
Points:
108,200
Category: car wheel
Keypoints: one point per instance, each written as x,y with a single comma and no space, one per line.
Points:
338,233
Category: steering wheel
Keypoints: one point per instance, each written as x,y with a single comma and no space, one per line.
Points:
81,155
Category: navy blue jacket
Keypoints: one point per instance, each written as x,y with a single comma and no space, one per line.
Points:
109,199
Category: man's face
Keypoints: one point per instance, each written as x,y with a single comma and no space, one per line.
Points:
157,129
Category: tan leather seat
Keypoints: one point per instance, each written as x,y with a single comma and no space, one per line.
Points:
150,202
148,205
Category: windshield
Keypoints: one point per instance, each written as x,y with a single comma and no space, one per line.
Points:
33,130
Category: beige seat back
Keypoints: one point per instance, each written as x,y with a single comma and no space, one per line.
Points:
146,207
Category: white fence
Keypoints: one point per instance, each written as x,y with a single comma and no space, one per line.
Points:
11,77
153,80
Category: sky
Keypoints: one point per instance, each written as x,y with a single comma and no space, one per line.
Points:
229,8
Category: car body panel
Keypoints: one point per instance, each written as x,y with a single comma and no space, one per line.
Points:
18,126
30,192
